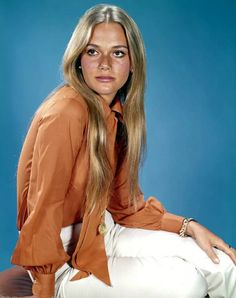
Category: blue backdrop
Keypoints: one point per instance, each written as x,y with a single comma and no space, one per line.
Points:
190,100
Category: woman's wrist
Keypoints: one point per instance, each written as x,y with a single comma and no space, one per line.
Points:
189,230
186,229
43,285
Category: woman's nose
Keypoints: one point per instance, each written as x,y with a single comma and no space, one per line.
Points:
105,63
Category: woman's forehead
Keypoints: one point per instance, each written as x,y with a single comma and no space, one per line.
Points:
112,33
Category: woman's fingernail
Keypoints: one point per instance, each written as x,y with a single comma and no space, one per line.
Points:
217,260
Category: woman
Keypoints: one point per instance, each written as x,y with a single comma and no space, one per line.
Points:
85,229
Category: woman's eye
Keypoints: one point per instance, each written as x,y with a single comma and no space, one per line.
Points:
92,52
119,54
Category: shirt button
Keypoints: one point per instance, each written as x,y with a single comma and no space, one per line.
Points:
102,228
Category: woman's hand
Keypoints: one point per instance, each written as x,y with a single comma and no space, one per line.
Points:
207,240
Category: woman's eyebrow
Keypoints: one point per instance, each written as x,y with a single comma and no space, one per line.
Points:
114,47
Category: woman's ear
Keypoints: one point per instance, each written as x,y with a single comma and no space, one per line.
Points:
131,67
78,64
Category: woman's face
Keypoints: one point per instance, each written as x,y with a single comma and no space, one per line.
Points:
105,61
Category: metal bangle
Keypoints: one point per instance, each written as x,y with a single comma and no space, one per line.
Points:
184,227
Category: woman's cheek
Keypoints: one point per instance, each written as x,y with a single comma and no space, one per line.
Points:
124,67
88,65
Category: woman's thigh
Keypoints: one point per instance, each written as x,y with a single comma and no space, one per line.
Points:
137,278
221,278
15,282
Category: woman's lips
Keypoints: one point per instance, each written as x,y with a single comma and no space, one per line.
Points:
105,79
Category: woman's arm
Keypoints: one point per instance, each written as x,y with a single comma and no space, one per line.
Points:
39,248
152,215
149,214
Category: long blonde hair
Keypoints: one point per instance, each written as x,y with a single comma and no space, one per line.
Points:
100,175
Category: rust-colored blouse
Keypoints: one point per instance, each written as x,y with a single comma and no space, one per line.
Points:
51,181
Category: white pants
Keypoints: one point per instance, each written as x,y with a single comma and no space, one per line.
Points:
149,264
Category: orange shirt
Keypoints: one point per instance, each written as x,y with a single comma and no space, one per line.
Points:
51,181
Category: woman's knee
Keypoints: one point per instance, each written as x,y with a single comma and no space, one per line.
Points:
174,277
166,277
222,277
192,281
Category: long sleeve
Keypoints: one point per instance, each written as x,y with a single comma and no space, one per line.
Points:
39,248
149,214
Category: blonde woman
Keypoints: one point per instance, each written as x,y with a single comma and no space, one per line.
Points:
85,229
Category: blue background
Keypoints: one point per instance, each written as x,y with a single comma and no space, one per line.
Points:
190,100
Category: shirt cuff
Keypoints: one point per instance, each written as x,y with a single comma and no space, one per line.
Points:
171,222
43,285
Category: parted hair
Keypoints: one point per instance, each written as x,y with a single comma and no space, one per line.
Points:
132,93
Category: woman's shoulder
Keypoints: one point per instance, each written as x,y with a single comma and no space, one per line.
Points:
65,102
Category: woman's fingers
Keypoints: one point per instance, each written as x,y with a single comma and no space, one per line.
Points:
230,251
212,255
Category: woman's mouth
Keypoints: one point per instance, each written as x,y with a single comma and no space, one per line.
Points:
105,79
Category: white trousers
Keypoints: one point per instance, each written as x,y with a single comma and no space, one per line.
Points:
149,264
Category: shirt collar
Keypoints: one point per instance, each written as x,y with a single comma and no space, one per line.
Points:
115,106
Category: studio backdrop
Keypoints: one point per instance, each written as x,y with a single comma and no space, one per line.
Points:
190,100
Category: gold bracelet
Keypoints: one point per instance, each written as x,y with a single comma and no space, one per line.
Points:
184,227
